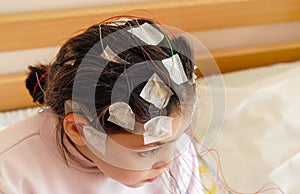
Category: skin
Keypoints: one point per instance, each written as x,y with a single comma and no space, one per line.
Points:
130,178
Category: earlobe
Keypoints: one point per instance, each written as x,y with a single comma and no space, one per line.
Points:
72,125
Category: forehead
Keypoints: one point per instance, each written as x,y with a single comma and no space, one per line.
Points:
136,141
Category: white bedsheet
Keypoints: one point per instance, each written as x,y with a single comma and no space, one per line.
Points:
10,117
259,139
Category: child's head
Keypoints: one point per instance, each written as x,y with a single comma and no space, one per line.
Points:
120,89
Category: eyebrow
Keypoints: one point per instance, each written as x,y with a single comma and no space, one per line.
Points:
151,145
154,144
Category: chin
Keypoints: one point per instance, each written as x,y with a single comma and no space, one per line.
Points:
135,185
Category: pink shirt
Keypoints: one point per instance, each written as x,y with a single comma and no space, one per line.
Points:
30,163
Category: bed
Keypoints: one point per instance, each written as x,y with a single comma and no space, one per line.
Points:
242,65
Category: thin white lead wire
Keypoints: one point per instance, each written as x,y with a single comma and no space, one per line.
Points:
38,81
100,37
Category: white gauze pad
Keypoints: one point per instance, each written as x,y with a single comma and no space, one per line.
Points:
119,22
147,33
156,92
95,138
157,129
110,55
175,69
121,114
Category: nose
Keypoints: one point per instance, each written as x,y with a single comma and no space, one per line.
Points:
161,165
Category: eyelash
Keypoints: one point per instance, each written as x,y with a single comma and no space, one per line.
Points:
149,153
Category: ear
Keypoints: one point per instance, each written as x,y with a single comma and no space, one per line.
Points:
73,124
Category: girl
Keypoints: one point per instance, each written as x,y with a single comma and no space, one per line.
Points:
119,102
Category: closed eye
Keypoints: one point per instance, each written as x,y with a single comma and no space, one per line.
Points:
149,153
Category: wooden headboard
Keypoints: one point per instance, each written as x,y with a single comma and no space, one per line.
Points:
52,28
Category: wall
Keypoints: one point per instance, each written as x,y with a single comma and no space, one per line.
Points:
214,39
20,6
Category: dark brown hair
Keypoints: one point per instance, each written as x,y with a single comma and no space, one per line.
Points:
80,59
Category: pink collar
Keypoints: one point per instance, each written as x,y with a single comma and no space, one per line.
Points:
47,123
